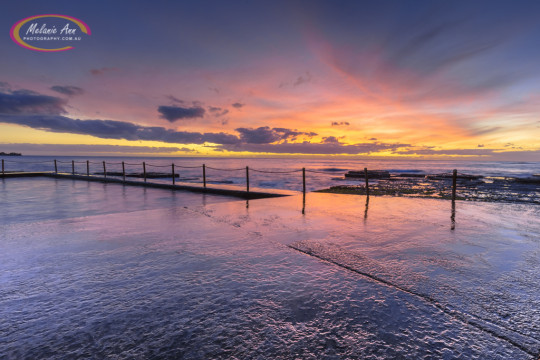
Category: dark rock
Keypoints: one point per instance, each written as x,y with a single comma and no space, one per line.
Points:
372,174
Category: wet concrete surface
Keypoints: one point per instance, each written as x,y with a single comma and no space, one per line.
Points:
105,273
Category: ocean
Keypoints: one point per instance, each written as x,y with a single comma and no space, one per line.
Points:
272,173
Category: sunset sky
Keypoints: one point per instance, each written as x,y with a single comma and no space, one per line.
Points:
423,79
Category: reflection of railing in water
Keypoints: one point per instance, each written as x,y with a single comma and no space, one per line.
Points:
173,174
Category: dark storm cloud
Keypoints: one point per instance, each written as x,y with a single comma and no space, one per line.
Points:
266,135
111,129
29,102
174,113
68,90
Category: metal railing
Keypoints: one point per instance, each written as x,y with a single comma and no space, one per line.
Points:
175,172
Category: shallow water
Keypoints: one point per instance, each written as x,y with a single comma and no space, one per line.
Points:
30,199
197,277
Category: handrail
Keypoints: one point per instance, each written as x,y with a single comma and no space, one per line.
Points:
173,174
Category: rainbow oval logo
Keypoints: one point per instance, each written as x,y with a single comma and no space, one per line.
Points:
49,32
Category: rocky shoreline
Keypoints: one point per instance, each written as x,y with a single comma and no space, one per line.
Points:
439,186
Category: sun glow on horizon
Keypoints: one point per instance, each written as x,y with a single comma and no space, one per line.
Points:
395,87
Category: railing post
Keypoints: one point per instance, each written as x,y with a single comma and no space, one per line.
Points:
247,178
367,181
72,167
55,167
454,184
173,180
144,170
2,166
123,171
304,181
87,168
104,170
204,174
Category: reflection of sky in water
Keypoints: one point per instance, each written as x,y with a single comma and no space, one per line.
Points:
118,270
44,199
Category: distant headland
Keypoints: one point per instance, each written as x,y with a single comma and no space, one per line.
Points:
10,154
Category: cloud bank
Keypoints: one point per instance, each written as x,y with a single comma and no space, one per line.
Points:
85,148
29,102
112,129
174,113
259,140
266,135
